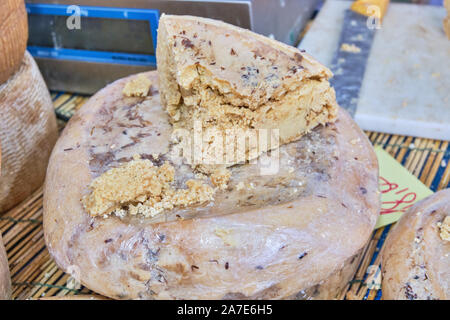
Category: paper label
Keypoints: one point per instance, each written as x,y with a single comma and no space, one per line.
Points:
399,188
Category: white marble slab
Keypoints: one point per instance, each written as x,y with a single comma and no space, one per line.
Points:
406,87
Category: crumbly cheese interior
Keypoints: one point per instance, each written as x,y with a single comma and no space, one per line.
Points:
220,177
213,107
140,188
445,229
350,48
137,87
214,104
223,84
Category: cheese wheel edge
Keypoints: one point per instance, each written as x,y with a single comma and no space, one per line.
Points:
415,257
28,132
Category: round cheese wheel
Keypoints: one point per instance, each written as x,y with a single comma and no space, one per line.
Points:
416,256
28,133
13,36
5,281
293,234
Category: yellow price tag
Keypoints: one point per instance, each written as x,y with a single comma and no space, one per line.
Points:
399,189
371,8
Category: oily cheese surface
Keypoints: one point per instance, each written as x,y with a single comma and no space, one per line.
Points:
27,133
416,259
14,36
5,280
283,233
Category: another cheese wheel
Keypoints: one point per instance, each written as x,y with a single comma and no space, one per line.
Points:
269,235
416,255
28,132
13,36
5,281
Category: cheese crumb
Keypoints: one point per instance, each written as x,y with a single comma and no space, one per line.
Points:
404,103
226,236
140,188
200,176
240,186
445,229
350,48
220,178
137,87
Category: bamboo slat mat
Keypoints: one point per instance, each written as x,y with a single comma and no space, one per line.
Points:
35,274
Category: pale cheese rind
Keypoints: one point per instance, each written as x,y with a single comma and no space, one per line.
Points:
13,36
28,132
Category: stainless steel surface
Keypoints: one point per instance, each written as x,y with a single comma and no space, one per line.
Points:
235,12
348,67
282,19
83,77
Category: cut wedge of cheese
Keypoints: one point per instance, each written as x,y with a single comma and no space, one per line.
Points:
230,81
5,280
27,133
13,36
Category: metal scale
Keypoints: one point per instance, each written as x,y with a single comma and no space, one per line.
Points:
81,46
